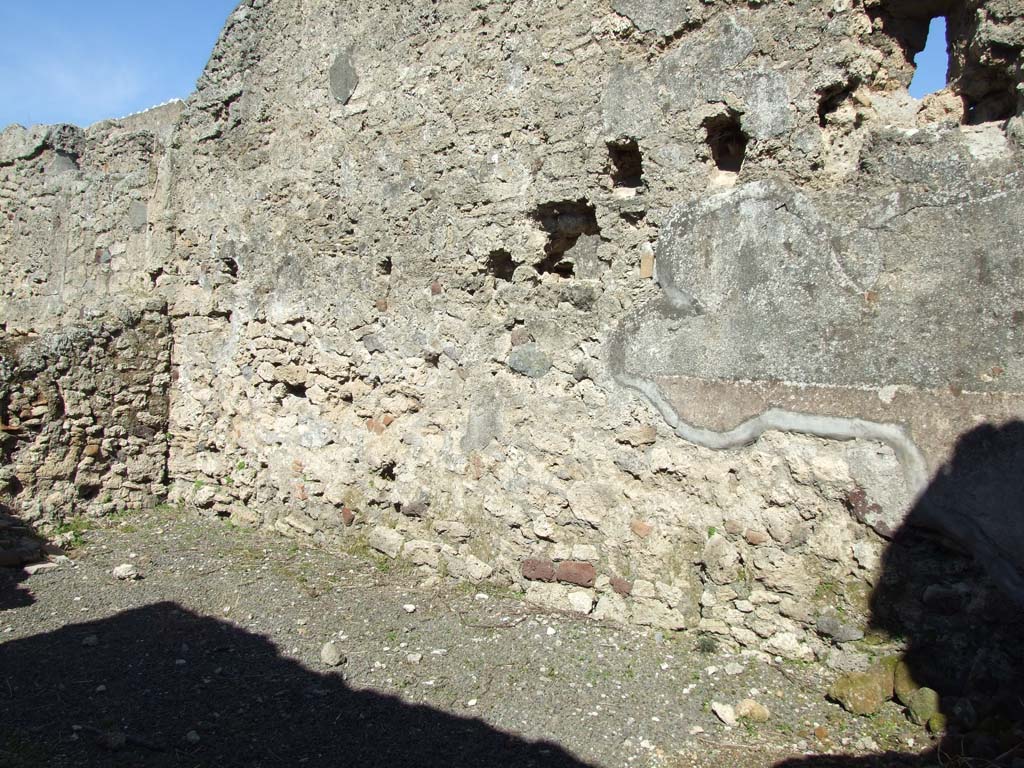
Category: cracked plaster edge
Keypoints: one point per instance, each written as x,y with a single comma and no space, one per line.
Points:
909,456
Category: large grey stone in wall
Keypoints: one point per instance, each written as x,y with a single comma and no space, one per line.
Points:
18,143
344,77
529,360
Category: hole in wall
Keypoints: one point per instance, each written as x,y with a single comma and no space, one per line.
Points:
727,141
983,72
230,266
14,485
990,96
625,163
931,71
88,491
565,222
295,390
384,266
501,264
832,98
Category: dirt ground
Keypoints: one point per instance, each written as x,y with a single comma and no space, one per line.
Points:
213,658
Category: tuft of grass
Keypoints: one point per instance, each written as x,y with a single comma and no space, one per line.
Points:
73,531
707,644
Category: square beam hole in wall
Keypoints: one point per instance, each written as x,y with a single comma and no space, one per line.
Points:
727,141
625,163
565,222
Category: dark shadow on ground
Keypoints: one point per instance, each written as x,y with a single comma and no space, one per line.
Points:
168,671
950,600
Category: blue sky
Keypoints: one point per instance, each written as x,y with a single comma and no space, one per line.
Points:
932,62
79,61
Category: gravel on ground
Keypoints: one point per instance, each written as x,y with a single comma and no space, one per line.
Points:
223,646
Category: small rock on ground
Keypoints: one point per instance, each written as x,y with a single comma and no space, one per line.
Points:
725,712
748,709
331,654
126,572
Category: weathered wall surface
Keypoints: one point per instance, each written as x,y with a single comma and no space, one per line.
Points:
74,229
408,256
84,416
85,341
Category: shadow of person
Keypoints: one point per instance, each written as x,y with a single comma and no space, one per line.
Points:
952,588
128,690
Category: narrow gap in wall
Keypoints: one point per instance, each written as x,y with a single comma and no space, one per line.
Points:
501,264
565,222
727,141
626,163
14,485
384,266
931,72
58,407
230,266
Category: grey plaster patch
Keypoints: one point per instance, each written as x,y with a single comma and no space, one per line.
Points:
833,315
343,76
798,290
711,67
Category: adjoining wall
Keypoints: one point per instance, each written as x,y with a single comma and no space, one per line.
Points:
85,340
84,416
421,263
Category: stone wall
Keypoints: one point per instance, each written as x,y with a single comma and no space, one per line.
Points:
433,284
84,416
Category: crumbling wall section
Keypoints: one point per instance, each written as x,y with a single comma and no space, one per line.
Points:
83,414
